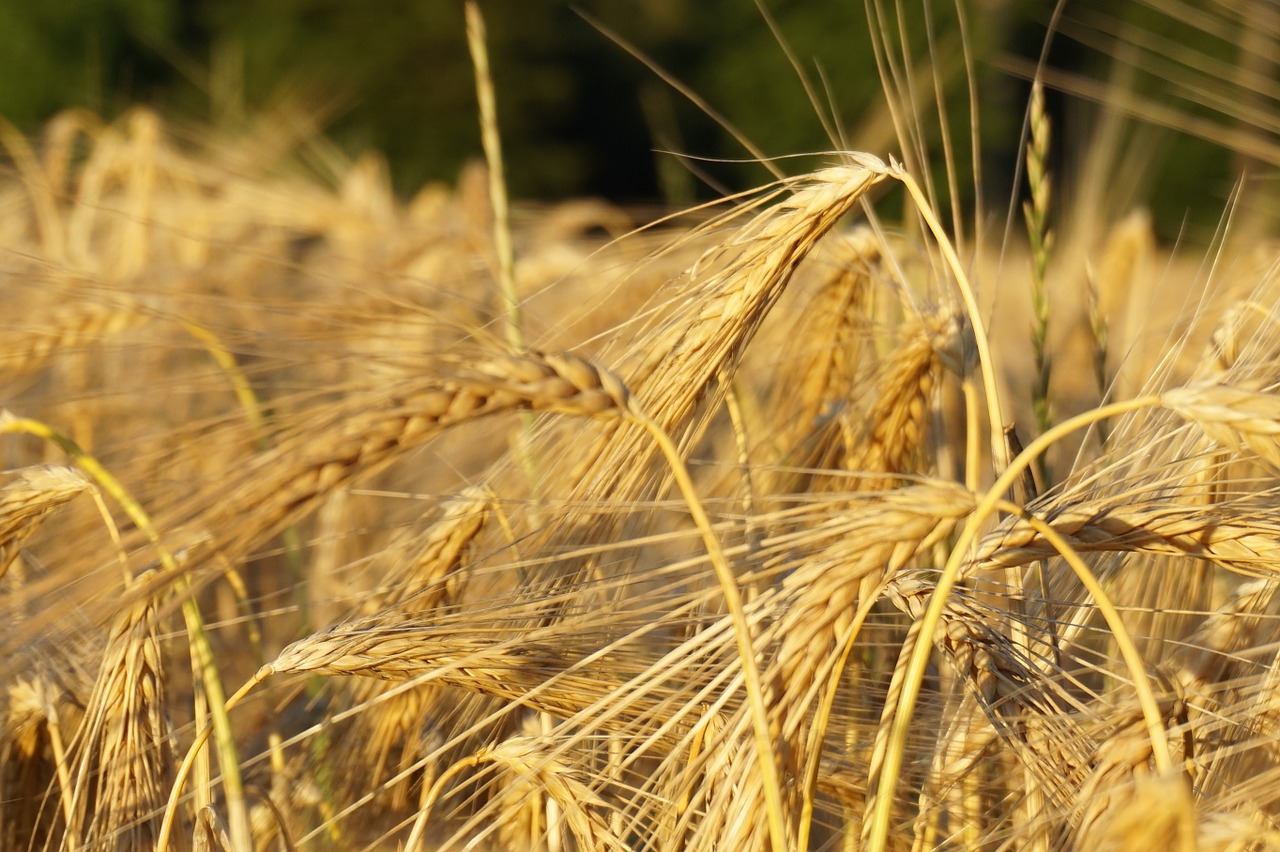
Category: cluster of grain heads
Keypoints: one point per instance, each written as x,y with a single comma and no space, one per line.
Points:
762,258
1232,416
682,361
565,654
1080,750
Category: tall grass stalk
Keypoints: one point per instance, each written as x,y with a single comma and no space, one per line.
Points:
492,142
1036,213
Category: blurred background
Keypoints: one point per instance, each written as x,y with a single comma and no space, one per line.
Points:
581,115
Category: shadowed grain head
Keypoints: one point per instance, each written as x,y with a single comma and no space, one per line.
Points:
27,498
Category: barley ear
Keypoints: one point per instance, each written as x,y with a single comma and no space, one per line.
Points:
877,829
122,758
1235,417
204,667
530,761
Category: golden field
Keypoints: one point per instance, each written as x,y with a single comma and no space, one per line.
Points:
709,534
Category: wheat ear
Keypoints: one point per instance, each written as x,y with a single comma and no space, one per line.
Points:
1236,417
38,708
892,431
879,533
735,285
65,329
418,584
831,341
1238,535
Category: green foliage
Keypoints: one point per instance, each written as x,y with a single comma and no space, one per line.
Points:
581,116
57,53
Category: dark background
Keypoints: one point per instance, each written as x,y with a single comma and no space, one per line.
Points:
580,116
